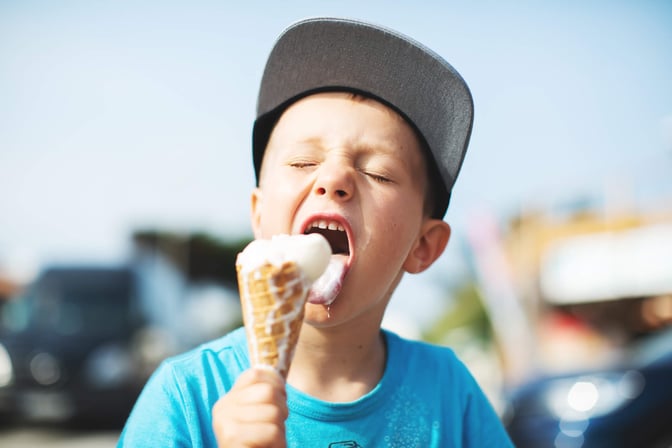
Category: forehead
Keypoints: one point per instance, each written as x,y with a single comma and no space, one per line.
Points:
342,119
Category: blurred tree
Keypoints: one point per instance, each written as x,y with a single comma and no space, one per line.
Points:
466,313
199,256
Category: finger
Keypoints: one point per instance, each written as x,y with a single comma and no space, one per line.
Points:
260,436
257,375
272,412
245,425
258,393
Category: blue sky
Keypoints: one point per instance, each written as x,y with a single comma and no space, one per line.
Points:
116,115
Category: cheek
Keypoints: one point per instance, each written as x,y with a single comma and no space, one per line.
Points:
404,212
272,217
280,202
401,225
397,230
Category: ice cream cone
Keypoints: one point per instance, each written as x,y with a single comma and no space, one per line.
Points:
274,278
272,300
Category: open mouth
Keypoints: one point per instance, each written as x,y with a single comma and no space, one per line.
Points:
333,232
326,289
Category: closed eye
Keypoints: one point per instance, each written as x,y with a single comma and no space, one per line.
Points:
377,177
302,164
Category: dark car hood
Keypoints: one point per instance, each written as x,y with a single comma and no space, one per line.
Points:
70,352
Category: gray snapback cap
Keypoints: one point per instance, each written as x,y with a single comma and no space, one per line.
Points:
334,54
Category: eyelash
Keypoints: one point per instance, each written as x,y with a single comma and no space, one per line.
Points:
376,177
379,178
301,164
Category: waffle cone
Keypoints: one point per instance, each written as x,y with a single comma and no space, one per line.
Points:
272,300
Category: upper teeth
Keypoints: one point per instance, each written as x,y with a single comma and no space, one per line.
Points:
324,224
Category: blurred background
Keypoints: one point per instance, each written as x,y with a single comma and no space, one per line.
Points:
125,167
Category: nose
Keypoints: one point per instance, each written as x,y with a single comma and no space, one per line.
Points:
335,181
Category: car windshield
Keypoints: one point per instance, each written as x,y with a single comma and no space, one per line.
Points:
70,304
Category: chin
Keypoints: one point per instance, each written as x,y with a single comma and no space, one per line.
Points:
319,316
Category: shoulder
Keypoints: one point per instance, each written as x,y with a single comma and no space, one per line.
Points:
436,371
193,380
413,351
174,407
230,344
423,362
226,357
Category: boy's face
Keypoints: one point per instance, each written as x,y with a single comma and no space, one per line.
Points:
354,166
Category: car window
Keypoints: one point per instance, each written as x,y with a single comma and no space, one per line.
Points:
15,315
81,306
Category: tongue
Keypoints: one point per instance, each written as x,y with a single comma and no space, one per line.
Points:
326,288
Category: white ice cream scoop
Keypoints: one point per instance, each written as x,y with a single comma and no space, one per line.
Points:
310,252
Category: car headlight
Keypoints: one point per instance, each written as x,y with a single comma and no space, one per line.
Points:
594,395
6,369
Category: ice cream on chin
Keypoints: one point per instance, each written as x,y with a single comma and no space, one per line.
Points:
274,277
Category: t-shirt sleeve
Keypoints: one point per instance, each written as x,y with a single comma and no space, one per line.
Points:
159,415
174,408
482,425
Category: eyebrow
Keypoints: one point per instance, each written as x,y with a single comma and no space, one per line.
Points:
381,148
312,141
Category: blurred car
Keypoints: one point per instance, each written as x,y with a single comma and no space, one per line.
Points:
71,347
628,405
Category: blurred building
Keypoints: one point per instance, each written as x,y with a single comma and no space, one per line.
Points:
589,281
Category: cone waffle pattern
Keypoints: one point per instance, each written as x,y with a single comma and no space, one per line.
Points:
272,299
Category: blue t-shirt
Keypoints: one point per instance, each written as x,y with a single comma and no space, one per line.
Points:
426,398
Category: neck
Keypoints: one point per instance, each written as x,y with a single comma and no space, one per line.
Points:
338,364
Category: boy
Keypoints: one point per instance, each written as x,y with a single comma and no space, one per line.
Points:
360,134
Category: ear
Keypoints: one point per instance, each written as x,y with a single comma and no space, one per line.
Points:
431,243
255,214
